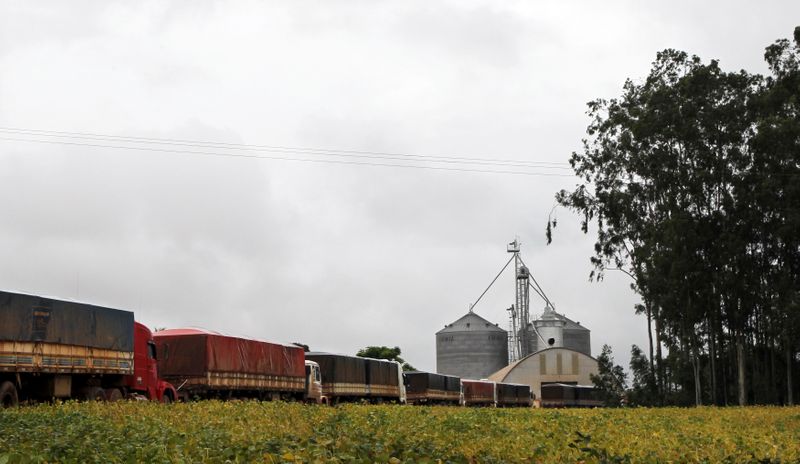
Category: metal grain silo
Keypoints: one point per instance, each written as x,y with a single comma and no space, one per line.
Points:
551,330
577,337
558,331
471,348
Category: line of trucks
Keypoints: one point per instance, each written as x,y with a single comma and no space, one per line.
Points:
52,348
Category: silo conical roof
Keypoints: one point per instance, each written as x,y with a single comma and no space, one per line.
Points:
550,314
471,322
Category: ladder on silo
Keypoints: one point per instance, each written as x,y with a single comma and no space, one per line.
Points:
513,354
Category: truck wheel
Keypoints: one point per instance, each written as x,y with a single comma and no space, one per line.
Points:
93,394
113,394
8,395
167,398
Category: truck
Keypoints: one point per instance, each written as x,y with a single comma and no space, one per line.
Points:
206,364
430,388
353,378
58,349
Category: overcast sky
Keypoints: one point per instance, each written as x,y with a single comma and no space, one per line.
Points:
335,256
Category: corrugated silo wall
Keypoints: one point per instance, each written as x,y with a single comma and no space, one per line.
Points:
578,340
471,354
534,343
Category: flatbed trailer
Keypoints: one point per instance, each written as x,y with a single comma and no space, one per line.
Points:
206,364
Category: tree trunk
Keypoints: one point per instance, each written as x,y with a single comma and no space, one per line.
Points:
698,387
650,341
740,366
789,393
713,355
726,363
661,381
774,393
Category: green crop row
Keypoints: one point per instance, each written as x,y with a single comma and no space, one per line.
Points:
277,432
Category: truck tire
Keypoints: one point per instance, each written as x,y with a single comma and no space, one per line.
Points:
8,395
93,394
167,398
113,394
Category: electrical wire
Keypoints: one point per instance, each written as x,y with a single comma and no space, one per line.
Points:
235,155
289,150
284,158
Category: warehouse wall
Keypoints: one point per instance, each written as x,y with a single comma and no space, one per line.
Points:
560,365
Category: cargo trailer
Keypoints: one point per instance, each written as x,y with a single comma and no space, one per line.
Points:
524,395
430,388
479,392
206,364
506,394
352,378
559,395
512,395
52,348
587,396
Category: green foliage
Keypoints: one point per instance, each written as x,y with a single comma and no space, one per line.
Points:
277,432
610,380
690,180
643,391
384,352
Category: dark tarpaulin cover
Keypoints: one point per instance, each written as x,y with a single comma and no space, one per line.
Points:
193,352
381,372
523,392
583,392
416,382
419,382
557,391
506,392
452,383
28,318
339,368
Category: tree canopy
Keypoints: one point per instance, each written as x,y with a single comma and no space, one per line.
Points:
691,180
611,380
384,352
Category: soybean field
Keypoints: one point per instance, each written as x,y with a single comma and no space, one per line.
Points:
279,432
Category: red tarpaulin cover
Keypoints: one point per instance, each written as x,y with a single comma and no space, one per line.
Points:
193,352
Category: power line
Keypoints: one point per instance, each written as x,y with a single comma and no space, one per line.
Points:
280,158
291,150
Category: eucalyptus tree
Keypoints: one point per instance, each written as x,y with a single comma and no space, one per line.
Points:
689,180
774,191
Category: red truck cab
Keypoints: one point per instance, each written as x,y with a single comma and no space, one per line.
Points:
145,381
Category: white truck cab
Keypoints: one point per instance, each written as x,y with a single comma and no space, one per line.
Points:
314,384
